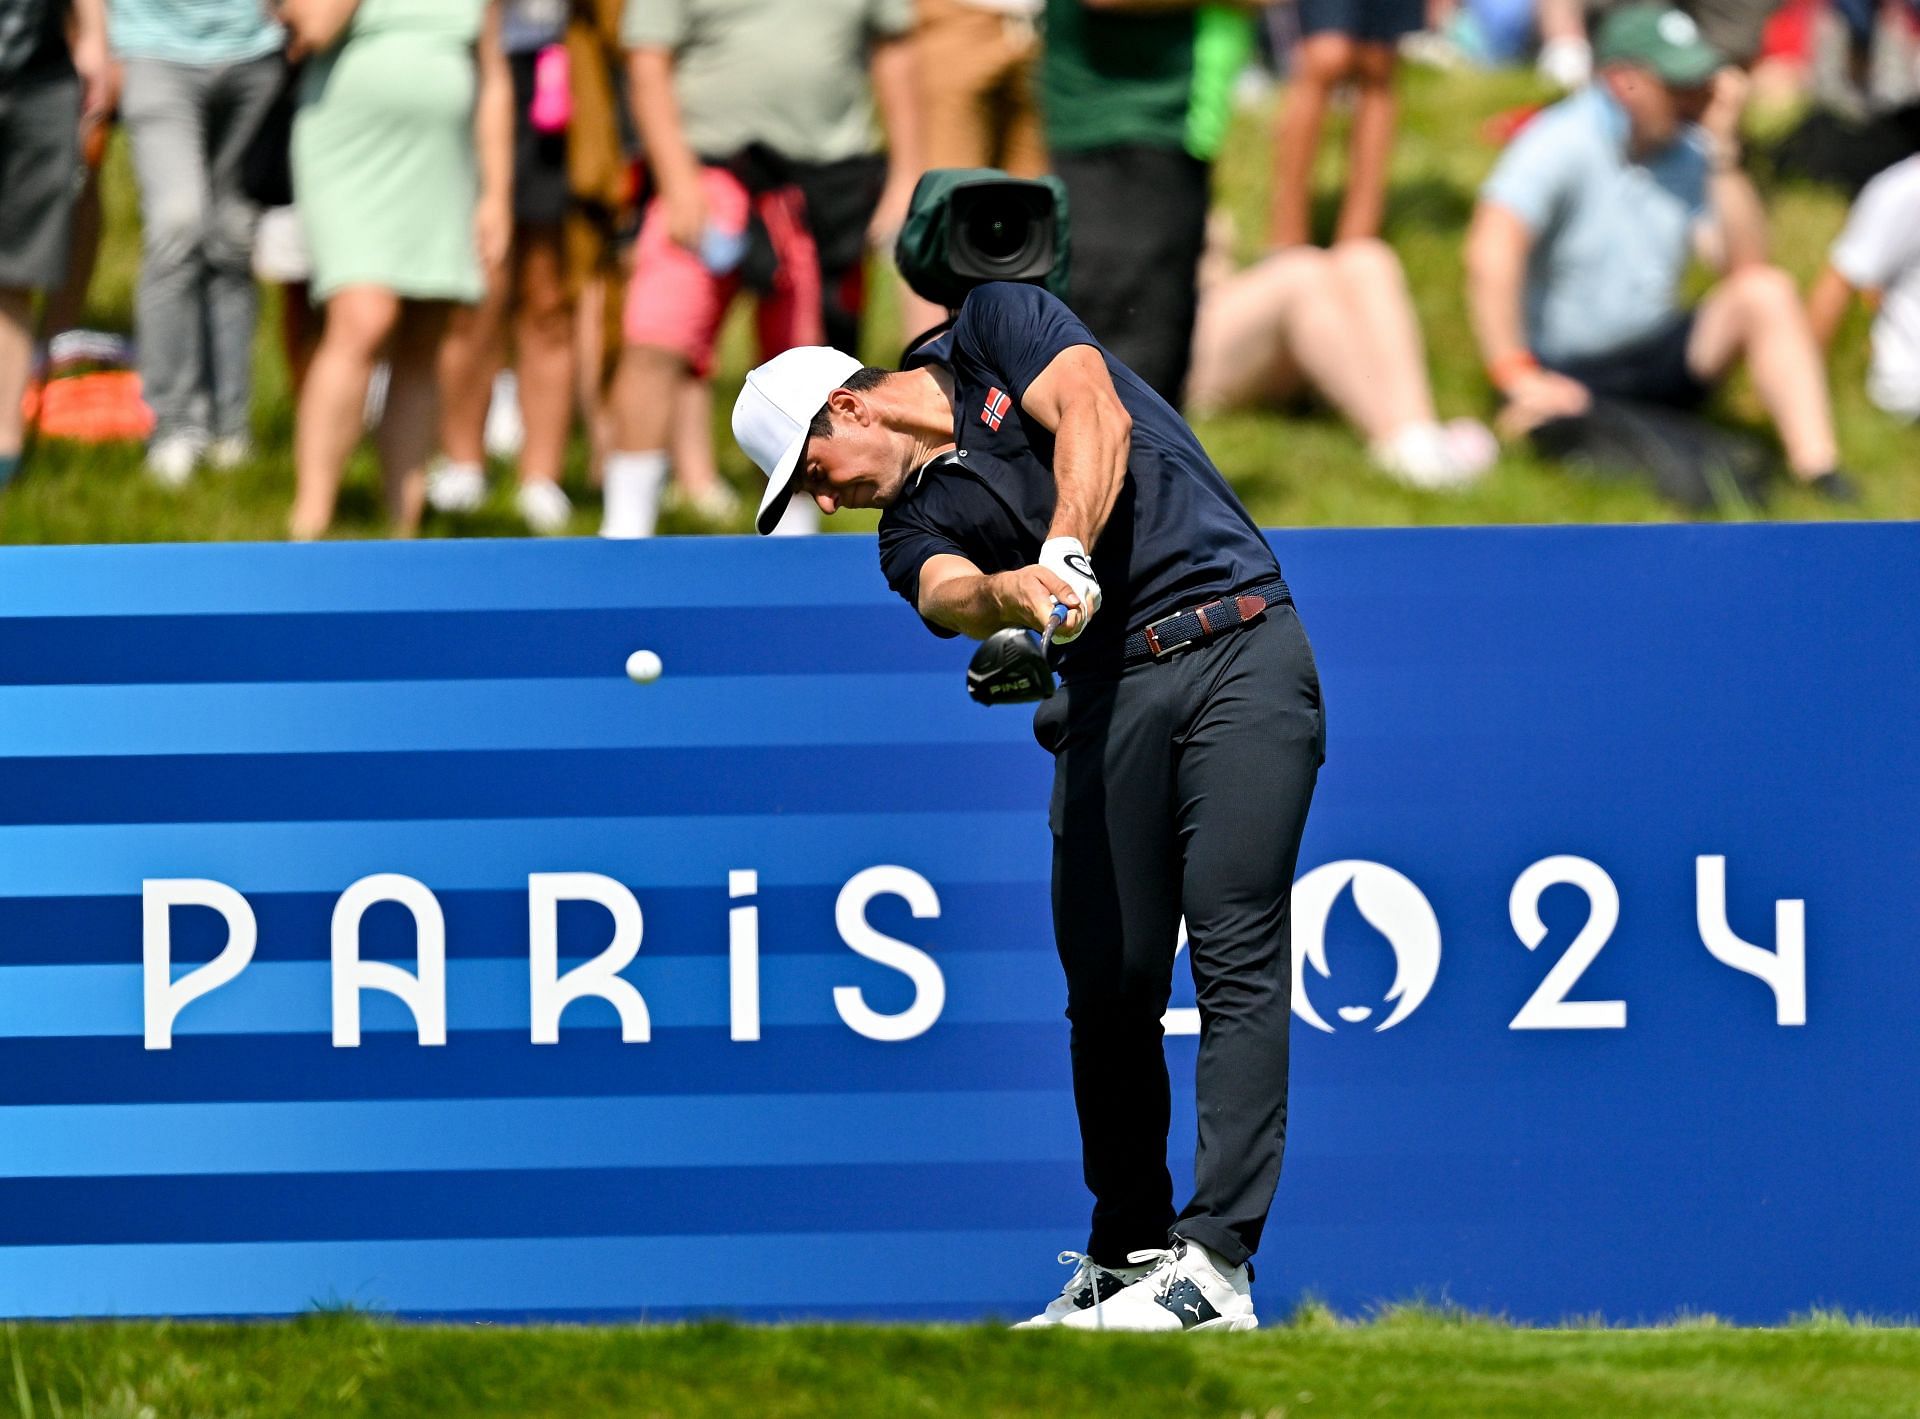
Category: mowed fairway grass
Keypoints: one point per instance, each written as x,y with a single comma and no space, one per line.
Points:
1302,468
1412,1362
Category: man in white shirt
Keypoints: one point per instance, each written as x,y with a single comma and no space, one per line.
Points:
1877,257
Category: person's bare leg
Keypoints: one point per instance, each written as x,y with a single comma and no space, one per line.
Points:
592,377
1320,63
300,326
1374,288
543,339
642,397
16,364
1756,314
1566,58
696,468
359,320
1276,325
470,357
1370,144
68,305
642,417
409,428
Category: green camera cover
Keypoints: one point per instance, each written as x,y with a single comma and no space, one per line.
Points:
922,249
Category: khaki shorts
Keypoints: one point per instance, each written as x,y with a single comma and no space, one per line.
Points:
975,80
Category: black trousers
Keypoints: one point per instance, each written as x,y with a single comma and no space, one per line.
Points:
1139,226
1181,788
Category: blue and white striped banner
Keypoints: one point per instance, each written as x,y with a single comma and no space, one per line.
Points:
843,1090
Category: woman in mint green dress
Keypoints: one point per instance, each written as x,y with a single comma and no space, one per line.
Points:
402,154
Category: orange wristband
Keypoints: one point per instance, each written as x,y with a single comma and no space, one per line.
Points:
1510,366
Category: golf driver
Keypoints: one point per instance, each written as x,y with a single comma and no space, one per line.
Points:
1010,667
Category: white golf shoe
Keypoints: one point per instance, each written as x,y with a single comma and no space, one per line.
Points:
544,507
1089,1288
1187,1288
456,487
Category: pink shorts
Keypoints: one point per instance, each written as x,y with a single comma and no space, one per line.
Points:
675,303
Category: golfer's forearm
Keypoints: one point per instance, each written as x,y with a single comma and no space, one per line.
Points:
968,603
1089,465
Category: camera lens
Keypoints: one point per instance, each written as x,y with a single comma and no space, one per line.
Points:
998,235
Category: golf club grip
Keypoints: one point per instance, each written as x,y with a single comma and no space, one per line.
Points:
1056,618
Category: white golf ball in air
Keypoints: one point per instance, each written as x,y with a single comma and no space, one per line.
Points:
643,667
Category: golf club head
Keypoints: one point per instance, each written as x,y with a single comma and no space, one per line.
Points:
1009,668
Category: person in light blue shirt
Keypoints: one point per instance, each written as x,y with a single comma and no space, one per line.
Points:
1588,224
200,76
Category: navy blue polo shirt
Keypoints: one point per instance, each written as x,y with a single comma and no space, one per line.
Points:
1177,537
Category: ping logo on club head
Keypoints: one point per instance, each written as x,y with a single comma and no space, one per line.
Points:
1392,906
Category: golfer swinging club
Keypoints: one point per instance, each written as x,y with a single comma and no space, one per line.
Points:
1022,467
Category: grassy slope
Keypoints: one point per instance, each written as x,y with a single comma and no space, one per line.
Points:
1417,1364
1292,471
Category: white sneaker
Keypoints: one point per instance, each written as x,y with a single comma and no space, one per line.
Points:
544,505
1089,1288
1566,63
456,487
1189,1288
172,459
1472,444
1422,456
228,452
717,503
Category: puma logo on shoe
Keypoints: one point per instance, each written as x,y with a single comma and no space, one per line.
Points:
1187,1302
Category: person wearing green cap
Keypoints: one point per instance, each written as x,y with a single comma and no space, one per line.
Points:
1585,229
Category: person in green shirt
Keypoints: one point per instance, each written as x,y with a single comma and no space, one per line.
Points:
1137,98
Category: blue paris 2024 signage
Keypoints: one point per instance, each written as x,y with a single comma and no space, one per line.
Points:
367,936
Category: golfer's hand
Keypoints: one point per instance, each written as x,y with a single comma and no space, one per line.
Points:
1539,397
1027,597
1069,562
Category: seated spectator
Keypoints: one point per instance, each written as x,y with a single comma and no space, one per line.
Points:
402,157
1877,258
1343,42
1583,232
199,80
757,120
49,91
1339,323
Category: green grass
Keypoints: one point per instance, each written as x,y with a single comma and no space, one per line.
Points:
1292,470
1408,1361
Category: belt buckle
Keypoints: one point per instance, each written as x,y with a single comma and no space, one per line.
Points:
1152,633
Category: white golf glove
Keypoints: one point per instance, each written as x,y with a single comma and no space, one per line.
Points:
1068,560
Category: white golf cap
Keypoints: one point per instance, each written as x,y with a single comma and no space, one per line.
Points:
771,415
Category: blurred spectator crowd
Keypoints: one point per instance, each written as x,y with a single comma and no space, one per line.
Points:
495,224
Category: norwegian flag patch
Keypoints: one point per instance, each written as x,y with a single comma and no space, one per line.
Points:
995,409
